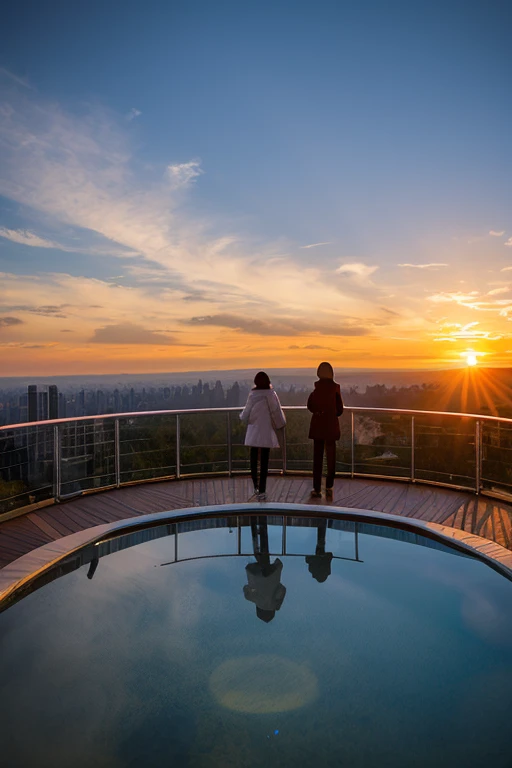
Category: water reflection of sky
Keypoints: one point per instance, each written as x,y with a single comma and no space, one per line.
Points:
410,649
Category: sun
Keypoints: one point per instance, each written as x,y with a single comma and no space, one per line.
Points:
471,358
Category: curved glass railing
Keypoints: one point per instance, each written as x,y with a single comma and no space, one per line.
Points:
57,459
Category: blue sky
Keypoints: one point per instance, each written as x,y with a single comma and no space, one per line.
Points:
195,148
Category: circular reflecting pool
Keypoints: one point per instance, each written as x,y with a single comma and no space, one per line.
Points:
260,641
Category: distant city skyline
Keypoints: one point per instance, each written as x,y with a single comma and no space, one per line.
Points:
189,186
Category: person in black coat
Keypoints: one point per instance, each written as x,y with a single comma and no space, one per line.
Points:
326,405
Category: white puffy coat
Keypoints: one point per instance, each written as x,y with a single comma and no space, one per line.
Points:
256,414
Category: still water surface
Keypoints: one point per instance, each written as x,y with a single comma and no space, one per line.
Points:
348,650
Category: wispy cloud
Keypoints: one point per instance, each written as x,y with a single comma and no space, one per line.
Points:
27,238
184,173
312,346
496,291
468,332
129,333
432,265
23,237
277,326
133,113
8,322
475,301
15,78
356,269
315,245
49,310
493,233
509,243
506,269
457,296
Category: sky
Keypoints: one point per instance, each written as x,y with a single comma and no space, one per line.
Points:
197,185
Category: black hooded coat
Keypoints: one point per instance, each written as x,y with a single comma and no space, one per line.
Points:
326,405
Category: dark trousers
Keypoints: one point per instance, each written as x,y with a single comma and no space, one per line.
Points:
264,457
318,460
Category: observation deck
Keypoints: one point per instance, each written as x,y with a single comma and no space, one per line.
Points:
450,469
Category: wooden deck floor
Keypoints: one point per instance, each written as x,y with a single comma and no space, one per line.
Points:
479,515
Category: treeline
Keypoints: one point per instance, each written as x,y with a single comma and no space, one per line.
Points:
456,394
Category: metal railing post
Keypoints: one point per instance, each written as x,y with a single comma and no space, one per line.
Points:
230,458
56,462
178,447
352,456
117,453
412,448
478,455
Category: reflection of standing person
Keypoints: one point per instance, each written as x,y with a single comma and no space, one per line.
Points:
326,405
263,415
264,586
320,563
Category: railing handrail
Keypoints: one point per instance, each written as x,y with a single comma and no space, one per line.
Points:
238,408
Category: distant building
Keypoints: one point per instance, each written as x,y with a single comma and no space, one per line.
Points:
62,406
53,402
32,402
42,409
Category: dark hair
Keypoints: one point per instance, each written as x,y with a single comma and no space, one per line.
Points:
261,381
325,371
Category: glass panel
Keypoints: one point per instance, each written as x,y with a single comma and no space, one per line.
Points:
299,449
344,446
497,456
239,452
147,446
445,450
204,442
87,455
26,466
382,444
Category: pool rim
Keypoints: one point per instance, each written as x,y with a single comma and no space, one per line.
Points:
18,574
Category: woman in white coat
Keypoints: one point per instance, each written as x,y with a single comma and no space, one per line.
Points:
263,415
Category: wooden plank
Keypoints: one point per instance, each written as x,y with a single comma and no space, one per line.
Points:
35,540
467,522
481,517
84,521
376,495
55,516
359,497
388,497
45,526
7,543
505,526
92,514
458,518
25,527
393,501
